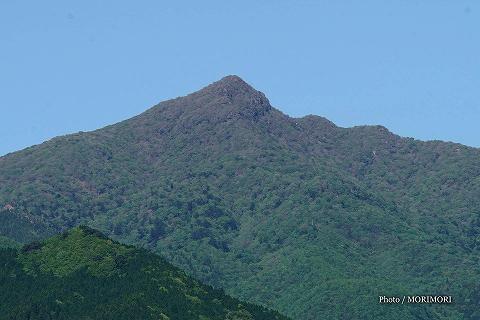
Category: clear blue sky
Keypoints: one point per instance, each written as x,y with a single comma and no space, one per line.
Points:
412,66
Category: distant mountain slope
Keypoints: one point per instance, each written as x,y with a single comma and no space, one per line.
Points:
296,214
22,227
83,275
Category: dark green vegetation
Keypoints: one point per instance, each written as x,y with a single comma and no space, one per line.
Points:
18,227
81,274
299,215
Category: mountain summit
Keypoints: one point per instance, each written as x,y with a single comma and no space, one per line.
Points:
231,85
296,214
230,96
233,89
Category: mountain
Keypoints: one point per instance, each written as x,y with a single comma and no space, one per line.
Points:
81,274
297,214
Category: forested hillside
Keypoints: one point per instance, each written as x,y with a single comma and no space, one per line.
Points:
297,214
81,274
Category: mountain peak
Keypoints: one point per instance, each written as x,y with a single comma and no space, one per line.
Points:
232,79
232,84
234,92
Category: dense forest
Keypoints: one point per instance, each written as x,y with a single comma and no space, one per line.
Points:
81,274
296,214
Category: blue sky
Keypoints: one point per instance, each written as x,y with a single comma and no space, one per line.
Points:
412,66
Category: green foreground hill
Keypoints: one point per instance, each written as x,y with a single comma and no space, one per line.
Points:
81,274
297,214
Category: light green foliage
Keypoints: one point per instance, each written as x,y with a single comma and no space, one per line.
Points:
64,278
68,253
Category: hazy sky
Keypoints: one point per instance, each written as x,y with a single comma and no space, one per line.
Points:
412,66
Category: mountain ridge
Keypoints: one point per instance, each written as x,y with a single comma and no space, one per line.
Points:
231,86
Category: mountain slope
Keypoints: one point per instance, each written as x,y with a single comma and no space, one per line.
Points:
296,214
83,275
